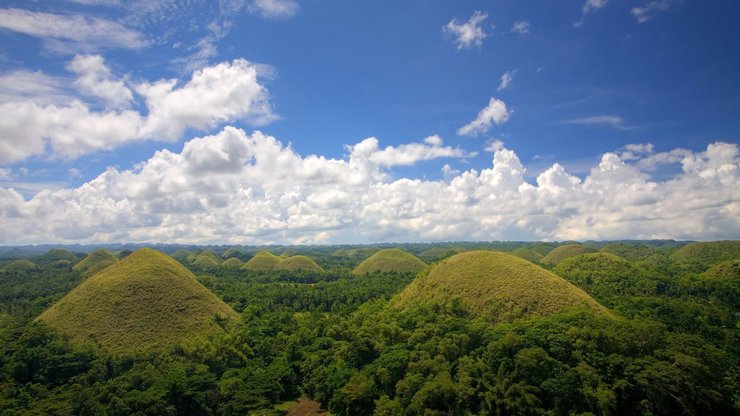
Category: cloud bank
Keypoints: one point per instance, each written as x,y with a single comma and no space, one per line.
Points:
48,120
234,187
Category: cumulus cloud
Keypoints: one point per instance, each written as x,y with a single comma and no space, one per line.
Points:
648,11
467,34
521,27
275,9
87,32
589,7
250,188
95,79
494,113
506,80
43,120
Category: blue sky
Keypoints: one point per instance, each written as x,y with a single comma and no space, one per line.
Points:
586,78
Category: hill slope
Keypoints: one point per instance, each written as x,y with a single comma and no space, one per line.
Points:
264,260
708,254
563,252
391,260
147,301
96,261
19,266
496,286
207,259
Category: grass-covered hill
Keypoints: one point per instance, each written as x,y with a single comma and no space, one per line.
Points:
391,260
206,259
293,263
146,302
233,252
727,270
232,263
96,261
19,266
438,253
605,276
181,255
264,260
563,252
495,286
358,254
707,254
528,254
55,255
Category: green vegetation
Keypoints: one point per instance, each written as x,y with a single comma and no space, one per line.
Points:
297,263
357,254
495,286
727,270
207,259
90,264
55,255
438,253
181,255
390,260
383,343
18,265
265,261
233,252
563,252
146,302
232,263
528,254
700,256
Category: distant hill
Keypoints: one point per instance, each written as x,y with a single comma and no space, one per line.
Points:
528,254
438,253
358,254
96,261
605,275
563,252
206,259
55,255
19,266
495,286
264,260
233,252
146,302
391,260
232,263
705,255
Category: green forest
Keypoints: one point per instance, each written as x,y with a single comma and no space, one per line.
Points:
592,328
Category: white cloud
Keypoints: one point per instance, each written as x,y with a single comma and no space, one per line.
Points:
85,32
506,80
95,79
468,34
34,85
275,9
238,188
588,7
521,27
609,120
494,113
648,11
42,123
407,154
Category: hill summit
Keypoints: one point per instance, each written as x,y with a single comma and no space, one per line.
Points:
495,286
391,260
264,260
145,302
96,261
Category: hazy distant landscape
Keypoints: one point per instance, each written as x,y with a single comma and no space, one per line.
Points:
356,208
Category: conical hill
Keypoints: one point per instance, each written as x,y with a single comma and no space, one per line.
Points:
146,302
96,261
495,286
391,260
